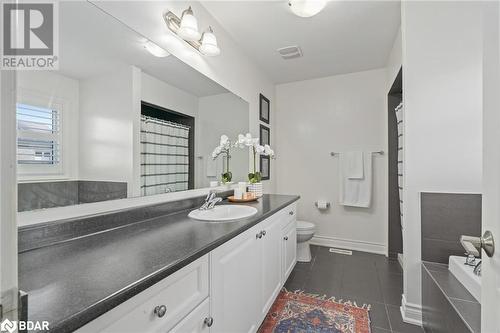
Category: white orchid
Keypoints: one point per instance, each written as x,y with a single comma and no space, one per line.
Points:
257,149
246,141
223,147
268,151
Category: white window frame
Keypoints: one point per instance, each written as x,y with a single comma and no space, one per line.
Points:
59,171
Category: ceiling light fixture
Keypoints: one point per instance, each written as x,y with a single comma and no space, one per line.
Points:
306,8
155,50
186,28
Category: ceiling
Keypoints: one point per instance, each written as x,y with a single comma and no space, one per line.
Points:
346,37
92,43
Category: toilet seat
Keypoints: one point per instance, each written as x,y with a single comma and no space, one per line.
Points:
304,226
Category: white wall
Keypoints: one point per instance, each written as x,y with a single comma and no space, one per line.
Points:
337,113
221,114
442,60
108,116
232,69
160,93
395,60
44,89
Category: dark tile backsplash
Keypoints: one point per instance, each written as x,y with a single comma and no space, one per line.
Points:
31,196
445,217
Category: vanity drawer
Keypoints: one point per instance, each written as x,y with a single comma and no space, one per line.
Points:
174,298
287,214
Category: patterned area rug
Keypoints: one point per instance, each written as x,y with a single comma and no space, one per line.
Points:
297,312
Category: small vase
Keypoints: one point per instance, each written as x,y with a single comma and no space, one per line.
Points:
256,189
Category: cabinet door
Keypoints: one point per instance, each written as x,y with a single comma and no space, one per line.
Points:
289,249
236,283
195,321
271,264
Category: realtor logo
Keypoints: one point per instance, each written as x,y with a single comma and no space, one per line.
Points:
29,35
8,326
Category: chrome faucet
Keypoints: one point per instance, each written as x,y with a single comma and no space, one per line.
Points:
210,201
477,269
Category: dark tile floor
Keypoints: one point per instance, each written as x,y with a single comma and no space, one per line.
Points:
363,278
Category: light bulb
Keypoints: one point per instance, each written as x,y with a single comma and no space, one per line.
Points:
188,29
209,45
306,8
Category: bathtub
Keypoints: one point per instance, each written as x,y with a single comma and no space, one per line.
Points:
465,274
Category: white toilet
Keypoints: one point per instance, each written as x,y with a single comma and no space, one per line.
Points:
305,231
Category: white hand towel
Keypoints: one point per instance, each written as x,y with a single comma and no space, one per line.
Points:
355,192
354,165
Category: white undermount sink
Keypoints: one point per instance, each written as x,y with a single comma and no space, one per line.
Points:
223,213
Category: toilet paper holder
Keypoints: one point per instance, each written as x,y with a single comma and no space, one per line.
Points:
327,204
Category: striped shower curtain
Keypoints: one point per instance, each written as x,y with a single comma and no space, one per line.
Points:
164,156
400,121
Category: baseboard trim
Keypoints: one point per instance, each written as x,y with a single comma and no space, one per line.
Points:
411,313
349,244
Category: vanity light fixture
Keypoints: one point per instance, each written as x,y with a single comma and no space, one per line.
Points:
306,8
186,28
155,50
209,45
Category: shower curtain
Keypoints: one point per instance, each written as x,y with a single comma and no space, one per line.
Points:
400,122
164,156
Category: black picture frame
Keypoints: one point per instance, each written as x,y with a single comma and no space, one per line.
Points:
265,167
264,108
265,135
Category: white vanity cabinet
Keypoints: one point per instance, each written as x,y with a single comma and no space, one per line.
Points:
247,274
289,248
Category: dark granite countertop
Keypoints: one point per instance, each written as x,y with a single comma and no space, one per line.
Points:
467,307
73,282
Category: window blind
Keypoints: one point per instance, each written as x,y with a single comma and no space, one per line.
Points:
38,135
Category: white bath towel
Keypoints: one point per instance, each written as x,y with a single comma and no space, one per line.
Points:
354,160
355,192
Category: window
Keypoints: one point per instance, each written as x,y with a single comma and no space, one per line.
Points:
38,140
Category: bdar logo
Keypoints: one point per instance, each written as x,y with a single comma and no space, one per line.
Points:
8,326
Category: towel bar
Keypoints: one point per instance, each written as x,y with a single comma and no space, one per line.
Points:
380,152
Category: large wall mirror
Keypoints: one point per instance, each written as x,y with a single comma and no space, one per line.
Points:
117,121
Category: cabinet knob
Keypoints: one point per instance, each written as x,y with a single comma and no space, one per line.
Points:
290,212
263,232
285,238
209,321
259,235
160,310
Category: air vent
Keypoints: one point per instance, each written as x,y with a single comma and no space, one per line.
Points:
290,52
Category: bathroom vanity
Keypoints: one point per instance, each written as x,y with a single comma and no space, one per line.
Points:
156,270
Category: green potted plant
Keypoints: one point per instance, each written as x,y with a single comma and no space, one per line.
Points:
224,148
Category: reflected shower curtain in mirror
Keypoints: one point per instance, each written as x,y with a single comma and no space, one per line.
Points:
164,156
400,120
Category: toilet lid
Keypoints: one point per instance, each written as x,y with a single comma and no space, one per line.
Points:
303,225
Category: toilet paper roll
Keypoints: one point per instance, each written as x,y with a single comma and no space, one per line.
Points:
322,205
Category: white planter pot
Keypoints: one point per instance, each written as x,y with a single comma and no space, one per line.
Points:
255,189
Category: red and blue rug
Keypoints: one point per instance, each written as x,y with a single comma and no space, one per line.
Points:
297,312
